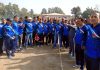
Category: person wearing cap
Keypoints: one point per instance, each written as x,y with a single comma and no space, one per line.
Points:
9,37
1,35
92,44
15,27
29,31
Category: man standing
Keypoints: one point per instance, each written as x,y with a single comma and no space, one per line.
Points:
61,25
15,27
92,45
40,32
79,40
35,24
9,37
1,35
29,30
65,34
20,31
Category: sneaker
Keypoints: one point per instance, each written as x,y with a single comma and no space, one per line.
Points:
76,66
10,57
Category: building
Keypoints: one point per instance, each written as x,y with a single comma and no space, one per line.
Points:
56,15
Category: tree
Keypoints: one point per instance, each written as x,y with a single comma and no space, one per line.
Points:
88,12
55,10
58,10
15,9
31,13
76,11
11,10
44,11
2,11
23,12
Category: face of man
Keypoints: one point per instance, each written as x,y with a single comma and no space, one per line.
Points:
57,20
16,19
9,23
45,21
21,19
34,19
51,20
3,21
40,20
63,20
79,22
94,19
66,21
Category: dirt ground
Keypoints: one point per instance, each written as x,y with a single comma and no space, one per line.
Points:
38,58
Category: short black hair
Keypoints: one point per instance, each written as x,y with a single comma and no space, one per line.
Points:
15,16
34,17
26,17
8,19
21,18
81,19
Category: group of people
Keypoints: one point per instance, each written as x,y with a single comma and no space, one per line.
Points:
81,36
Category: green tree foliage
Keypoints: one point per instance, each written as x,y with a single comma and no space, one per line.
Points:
55,10
88,12
76,11
44,11
11,10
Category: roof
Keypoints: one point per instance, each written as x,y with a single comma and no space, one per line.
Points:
53,14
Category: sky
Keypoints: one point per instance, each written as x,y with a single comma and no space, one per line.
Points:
65,5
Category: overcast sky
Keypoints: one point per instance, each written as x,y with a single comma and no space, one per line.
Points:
66,5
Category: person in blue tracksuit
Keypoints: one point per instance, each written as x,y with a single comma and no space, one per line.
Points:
92,44
79,39
49,32
20,31
40,32
1,35
15,27
24,30
65,34
9,36
56,31
61,24
35,24
51,27
29,31
48,39
46,31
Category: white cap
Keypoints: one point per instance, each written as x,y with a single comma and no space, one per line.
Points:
29,18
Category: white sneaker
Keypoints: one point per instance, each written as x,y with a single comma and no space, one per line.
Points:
76,66
9,57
